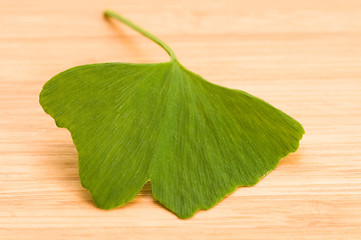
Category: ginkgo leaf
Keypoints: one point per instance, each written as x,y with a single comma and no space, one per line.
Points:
195,141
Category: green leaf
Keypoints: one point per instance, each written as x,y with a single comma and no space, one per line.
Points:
195,141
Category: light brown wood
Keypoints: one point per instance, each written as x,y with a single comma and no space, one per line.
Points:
304,57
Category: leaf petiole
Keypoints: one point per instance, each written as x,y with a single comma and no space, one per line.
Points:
109,13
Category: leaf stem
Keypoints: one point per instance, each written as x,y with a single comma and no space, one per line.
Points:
109,13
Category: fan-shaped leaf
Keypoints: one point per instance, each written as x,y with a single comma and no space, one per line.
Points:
195,141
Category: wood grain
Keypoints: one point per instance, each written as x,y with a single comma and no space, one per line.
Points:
304,57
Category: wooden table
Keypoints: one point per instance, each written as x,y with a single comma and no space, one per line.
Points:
304,57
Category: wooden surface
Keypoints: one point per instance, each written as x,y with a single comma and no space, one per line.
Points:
304,57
